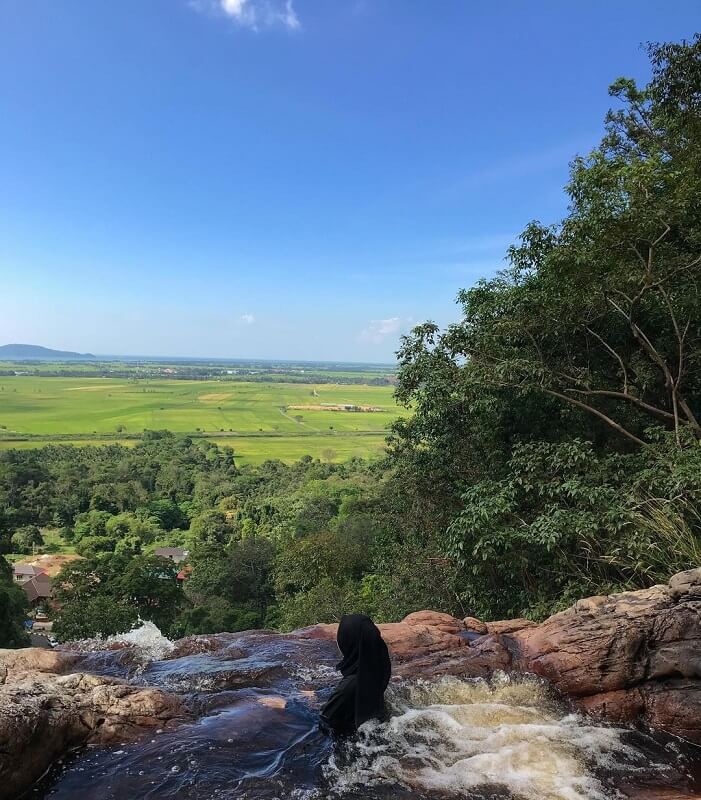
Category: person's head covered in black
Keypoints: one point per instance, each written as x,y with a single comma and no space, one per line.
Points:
366,671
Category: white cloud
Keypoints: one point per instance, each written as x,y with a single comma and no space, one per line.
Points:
254,14
379,329
247,319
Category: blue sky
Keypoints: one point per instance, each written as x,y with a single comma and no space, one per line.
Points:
275,179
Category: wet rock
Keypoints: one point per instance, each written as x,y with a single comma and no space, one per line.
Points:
479,660
44,714
655,793
635,655
204,643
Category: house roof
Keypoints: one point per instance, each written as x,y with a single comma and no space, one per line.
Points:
26,569
170,551
37,587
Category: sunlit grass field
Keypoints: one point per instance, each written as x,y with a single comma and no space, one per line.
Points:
252,417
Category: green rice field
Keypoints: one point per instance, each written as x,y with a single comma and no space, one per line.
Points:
254,418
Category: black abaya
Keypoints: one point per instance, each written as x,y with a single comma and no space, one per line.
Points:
366,671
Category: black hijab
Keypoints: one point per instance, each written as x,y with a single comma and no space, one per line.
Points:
366,671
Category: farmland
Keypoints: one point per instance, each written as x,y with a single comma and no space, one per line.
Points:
256,419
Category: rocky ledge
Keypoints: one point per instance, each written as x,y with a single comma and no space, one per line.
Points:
46,710
625,657
630,656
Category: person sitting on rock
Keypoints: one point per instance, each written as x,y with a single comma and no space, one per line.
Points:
366,671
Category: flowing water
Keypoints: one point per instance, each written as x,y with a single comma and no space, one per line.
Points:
255,701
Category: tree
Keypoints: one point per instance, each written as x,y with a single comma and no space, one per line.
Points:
91,546
168,514
149,585
13,609
602,312
555,427
211,526
26,538
96,616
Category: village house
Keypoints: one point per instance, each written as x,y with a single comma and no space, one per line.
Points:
38,589
21,573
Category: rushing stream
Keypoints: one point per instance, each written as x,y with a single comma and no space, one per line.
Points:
254,735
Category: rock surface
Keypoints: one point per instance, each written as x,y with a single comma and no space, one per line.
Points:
43,713
635,655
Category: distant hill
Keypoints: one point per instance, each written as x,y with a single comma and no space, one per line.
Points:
22,352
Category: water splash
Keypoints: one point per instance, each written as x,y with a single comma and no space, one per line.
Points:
147,639
146,642
458,738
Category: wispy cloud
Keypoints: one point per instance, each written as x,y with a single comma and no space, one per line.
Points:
247,319
378,330
253,14
518,166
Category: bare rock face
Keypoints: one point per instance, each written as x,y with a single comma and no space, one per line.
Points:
509,626
37,659
475,625
635,654
44,714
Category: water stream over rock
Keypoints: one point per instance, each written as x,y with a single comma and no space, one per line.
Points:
254,698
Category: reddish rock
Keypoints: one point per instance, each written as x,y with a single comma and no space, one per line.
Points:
655,793
674,706
619,706
509,626
435,619
630,655
411,638
475,625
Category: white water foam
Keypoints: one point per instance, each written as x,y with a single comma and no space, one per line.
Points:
455,736
146,640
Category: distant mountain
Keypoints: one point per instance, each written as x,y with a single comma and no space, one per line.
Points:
22,352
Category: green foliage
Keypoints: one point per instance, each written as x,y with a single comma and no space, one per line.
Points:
213,616
602,312
148,584
106,593
211,527
24,539
99,615
550,447
13,609
555,435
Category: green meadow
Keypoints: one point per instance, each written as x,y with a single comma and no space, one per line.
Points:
254,418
